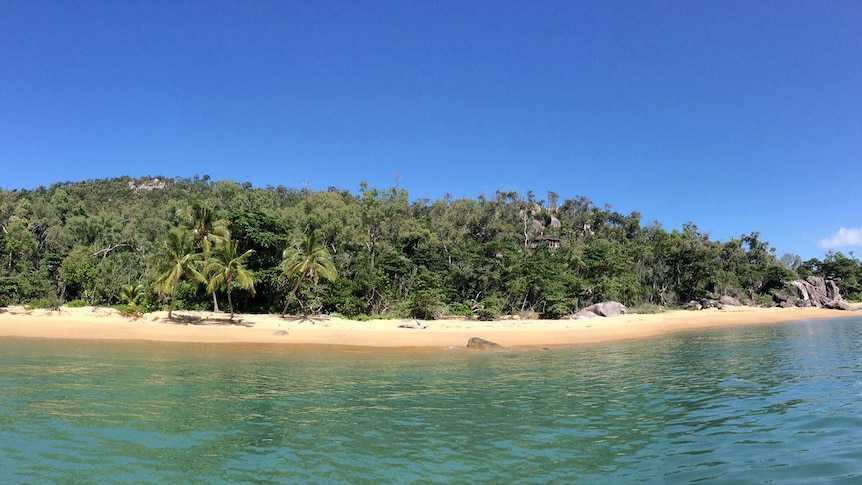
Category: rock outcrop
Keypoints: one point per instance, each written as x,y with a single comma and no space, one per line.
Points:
729,301
693,306
815,291
837,305
705,303
782,300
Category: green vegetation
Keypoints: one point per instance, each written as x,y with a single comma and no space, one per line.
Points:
165,243
176,259
306,259
225,269
130,294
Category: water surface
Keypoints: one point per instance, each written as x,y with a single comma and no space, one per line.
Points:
765,404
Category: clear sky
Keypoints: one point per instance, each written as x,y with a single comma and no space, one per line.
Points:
739,116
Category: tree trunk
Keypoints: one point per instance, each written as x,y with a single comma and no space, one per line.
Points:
292,293
215,303
173,298
229,302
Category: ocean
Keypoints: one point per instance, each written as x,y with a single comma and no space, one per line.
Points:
760,404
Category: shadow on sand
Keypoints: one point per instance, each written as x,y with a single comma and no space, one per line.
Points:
306,318
209,320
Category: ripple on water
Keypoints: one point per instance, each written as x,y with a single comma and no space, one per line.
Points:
752,405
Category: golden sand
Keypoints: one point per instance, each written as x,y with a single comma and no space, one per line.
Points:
93,323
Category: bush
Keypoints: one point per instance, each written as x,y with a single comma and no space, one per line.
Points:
647,308
364,318
128,311
459,309
47,303
76,303
8,291
425,305
490,309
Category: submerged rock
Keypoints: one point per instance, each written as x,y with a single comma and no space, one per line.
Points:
482,344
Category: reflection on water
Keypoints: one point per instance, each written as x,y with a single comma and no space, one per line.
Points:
775,403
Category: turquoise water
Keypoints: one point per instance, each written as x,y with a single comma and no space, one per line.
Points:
767,404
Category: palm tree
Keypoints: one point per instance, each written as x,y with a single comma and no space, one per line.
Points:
226,268
207,231
176,259
305,258
131,293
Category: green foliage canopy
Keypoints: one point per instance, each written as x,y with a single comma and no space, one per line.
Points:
373,252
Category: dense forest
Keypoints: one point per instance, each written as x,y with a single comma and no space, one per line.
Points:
157,242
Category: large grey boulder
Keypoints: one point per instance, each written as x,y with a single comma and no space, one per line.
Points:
782,300
729,301
802,288
814,291
816,281
584,314
837,305
693,306
607,309
817,290
832,291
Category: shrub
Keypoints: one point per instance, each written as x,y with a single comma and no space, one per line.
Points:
647,308
459,309
128,311
427,304
364,318
490,309
48,303
76,303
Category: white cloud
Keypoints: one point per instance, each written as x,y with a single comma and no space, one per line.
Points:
844,237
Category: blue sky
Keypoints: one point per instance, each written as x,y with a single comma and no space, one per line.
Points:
739,116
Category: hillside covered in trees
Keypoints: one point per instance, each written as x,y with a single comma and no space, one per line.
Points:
103,242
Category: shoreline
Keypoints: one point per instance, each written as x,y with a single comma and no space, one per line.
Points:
329,334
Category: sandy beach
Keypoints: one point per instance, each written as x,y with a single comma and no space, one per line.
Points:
94,323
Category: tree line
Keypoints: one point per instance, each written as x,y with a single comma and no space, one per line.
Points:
161,243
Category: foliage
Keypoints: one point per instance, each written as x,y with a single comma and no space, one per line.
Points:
128,311
50,302
371,252
306,259
647,309
175,260
130,294
226,269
